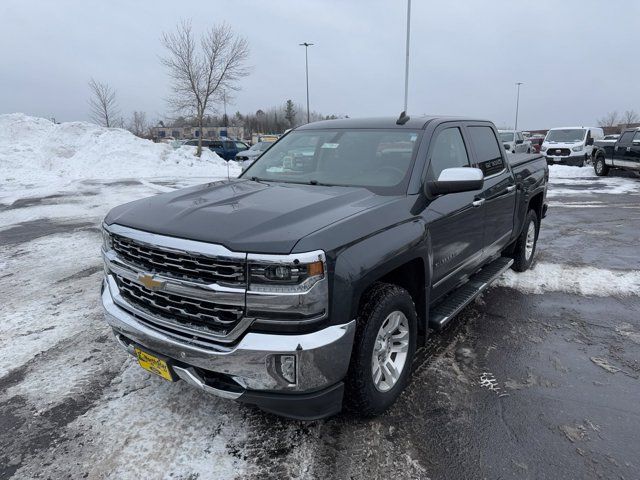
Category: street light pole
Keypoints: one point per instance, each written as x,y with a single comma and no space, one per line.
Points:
517,104
406,65
306,46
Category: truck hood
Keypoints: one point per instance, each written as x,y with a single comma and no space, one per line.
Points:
244,215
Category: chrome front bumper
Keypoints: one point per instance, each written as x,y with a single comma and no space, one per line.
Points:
321,358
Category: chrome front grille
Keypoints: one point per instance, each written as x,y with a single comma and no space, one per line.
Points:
180,264
190,290
200,313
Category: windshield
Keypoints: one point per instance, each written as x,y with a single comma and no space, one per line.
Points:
569,135
377,159
506,136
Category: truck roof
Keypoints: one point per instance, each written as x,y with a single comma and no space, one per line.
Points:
573,128
415,122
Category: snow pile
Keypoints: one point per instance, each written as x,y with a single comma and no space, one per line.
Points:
566,171
549,277
35,150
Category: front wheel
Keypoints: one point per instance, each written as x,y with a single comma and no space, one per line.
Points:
525,247
600,167
383,349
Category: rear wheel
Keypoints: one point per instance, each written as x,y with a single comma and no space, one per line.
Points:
600,167
383,349
525,247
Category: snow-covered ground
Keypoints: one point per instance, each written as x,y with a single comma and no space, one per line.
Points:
60,370
573,181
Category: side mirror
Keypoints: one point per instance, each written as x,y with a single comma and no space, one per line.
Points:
456,180
519,142
590,141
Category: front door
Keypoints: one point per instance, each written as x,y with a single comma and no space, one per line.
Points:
456,220
499,189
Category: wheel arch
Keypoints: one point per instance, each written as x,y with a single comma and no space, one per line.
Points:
399,256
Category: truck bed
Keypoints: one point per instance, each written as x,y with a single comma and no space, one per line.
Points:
517,159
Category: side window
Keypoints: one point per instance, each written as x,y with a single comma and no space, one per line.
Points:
636,137
448,151
487,150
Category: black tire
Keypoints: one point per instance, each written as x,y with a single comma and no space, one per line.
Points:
528,150
361,395
521,259
600,167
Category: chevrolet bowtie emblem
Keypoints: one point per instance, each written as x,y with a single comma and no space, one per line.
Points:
151,283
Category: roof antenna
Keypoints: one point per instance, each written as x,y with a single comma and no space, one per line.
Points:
403,118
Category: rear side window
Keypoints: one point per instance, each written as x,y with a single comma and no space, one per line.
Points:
487,150
448,151
636,137
626,137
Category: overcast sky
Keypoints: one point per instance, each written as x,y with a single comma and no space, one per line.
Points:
575,57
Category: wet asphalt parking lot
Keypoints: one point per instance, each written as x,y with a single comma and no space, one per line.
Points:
537,381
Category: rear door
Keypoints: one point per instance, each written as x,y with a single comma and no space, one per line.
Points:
632,155
621,147
456,220
499,190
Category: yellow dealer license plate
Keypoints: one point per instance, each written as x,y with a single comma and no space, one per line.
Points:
154,364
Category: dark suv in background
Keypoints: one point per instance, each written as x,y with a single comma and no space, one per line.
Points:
226,149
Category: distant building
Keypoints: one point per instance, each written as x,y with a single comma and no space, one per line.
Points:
210,132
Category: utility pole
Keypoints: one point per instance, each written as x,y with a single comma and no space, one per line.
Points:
517,104
406,67
306,46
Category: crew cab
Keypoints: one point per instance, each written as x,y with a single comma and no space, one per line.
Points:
514,141
570,145
623,154
306,283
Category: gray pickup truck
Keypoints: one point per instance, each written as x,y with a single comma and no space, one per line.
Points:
306,284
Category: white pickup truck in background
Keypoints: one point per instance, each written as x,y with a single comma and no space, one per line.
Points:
514,141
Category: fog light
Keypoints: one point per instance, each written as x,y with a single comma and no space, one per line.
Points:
287,366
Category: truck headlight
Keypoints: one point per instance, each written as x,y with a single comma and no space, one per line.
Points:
282,276
107,241
577,149
543,149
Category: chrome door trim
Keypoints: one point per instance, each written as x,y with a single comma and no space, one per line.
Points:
471,259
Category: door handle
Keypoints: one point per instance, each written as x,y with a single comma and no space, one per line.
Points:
478,203
511,188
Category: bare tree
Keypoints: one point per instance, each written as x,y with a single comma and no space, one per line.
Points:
611,119
201,72
138,124
629,117
104,108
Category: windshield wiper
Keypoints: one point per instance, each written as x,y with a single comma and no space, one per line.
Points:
259,180
316,182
